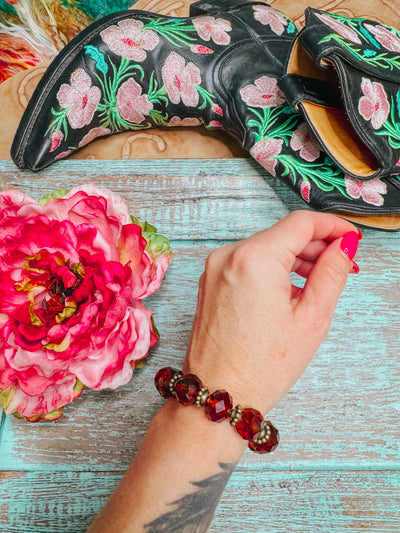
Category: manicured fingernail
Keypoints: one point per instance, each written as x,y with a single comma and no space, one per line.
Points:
355,269
349,244
360,235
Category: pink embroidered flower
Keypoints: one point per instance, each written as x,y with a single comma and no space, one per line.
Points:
73,273
187,121
217,109
264,93
212,28
129,39
180,80
61,155
374,105
265,152
200,49
132,105
369,190
305,189
340,28
56,138
93,134
303,139
214,124
387,39
80,98
270,17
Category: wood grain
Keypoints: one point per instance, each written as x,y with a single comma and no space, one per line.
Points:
282,502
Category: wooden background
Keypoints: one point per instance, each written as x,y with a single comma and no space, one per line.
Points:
337,468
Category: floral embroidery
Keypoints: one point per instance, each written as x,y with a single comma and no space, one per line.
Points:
132,105
340,28
187,121
212,28
385,37
268,16
264,93
216,108
180,80
214,124
129,39
305,189
61,155
369,190
265,153
80,98
374,104
200,49
55,139
303,139
93,134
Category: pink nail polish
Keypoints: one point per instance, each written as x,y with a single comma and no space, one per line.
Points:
355,269
349,244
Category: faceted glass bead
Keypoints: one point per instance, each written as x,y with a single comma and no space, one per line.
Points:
270,445
218,405
162,380
186,389
250,423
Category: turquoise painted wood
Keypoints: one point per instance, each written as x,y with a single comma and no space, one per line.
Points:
337,467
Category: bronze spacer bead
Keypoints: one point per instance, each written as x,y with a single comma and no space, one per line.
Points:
201,397
263,435
173,380
235,415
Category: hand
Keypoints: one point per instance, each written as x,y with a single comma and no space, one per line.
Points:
254,332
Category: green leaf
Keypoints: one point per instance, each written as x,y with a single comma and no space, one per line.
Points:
59,193
98,57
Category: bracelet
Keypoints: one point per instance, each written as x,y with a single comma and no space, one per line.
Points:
263,437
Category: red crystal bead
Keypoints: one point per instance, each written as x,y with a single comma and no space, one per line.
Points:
218,405
162,379
250,424
268,446
186,389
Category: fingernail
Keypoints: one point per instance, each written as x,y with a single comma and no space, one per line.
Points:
355,269
349,244
360,235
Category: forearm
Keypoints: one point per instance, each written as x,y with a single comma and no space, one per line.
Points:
177,477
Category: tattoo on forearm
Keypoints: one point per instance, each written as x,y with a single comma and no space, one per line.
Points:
193,513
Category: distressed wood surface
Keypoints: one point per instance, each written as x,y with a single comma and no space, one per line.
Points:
339,425
254,501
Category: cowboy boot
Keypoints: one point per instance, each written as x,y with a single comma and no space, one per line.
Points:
136,70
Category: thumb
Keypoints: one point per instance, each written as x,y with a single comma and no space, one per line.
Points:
328,277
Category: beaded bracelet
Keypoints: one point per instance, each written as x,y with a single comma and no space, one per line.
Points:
263,437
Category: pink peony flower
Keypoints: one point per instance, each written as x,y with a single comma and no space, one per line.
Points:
340,28
265,152
73,273
387,39
93,134
80,98
180,80
303,139
369,190
56,138
212,28
264,93
187,121
374,105
129,39
270,17
132,105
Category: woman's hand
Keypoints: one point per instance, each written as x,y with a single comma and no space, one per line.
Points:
254,332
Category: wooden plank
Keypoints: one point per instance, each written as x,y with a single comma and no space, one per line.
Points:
332,502
195,199
343,413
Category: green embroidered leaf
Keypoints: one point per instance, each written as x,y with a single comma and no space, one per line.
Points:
98,57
